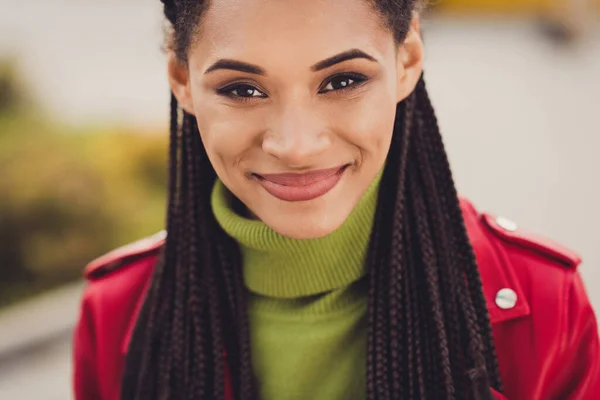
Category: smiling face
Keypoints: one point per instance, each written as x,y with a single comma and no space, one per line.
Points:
295,103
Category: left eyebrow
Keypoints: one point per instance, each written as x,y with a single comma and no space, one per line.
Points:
341,57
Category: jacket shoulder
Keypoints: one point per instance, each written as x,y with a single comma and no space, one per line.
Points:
508,231
116,289
124,257
513,238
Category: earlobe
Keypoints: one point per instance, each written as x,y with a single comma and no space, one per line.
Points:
410,61
179,80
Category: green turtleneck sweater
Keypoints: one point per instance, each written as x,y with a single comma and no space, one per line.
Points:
308,307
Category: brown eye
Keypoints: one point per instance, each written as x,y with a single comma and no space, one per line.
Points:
241,90
343,81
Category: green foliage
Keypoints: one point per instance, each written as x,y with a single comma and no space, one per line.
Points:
67,197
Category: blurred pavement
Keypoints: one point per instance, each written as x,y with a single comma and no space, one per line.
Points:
520,118
44,374
35,341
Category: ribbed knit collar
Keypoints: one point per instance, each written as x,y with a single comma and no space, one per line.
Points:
277,266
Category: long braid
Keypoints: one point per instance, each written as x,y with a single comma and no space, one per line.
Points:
417,309
196,275
397,307
465,251
441,265
427,258
443,254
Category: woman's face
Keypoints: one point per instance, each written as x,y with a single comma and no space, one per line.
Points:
295,103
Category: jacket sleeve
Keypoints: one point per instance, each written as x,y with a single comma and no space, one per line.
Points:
85,385
579,378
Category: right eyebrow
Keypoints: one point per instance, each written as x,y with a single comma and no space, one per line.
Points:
236,66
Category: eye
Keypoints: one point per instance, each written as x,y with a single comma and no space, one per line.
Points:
342,82
241,90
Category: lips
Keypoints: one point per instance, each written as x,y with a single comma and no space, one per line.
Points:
301,186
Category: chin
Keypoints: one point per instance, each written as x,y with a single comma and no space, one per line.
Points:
307,225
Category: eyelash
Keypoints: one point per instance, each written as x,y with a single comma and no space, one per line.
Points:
358,79
227,91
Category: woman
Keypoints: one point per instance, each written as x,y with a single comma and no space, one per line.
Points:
316,246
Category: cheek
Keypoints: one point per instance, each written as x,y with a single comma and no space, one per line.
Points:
369,124
229,135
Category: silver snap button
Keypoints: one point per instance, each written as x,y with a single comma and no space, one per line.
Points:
506,224
506,299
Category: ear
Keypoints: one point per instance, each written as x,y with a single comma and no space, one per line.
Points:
179,80
409,63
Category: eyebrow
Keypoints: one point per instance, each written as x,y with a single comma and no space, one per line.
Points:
236,66
341,57
256,70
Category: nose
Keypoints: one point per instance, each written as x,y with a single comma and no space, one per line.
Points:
297,136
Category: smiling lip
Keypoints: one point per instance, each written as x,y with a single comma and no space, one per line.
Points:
301,187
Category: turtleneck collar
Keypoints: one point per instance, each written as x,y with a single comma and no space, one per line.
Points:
280,267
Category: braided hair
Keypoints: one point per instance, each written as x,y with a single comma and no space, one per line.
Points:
429,334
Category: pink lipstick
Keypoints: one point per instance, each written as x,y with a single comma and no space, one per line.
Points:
301,186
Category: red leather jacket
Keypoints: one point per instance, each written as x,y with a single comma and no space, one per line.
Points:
544,326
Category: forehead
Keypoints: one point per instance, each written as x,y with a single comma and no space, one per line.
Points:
294,28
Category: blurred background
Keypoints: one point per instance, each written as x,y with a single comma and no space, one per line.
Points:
83,136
